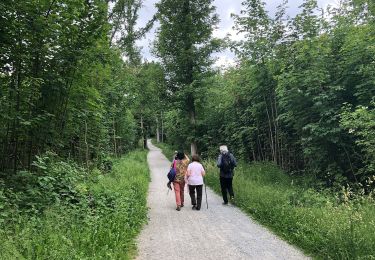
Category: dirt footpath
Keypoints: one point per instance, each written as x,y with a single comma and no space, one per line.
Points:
219,232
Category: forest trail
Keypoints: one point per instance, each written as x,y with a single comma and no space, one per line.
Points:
219,232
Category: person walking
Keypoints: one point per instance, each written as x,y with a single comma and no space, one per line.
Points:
226,162
194,176
180,163
169,184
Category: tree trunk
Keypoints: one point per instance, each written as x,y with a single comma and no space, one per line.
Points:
65,102
143,133
270,130
114,137
162,128
260,151
193,144
276,140
30,153
86,146
16,119
157,130
5,150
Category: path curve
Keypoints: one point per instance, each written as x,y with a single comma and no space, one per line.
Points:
219,232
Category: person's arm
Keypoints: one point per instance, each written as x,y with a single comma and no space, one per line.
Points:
219,161
203,172
188,171
172,165
233,160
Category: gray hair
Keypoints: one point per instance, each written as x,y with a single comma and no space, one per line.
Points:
223,149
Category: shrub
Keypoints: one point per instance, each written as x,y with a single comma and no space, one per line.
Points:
101,224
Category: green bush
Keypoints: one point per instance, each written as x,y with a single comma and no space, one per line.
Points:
102,224
52,181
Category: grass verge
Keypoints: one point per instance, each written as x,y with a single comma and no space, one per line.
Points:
103,225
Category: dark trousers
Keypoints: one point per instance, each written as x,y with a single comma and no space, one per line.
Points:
226,186
197,202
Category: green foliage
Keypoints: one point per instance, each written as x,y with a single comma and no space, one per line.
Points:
103,224
360,123
53,182
62,87
123,18
299,86
184,45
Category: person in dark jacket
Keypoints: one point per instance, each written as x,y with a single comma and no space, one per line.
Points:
226,162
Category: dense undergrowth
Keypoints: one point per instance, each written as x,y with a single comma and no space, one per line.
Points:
62,212
323,223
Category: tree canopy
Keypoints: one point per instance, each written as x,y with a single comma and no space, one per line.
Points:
301,95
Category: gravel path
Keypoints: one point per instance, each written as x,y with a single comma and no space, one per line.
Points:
219,232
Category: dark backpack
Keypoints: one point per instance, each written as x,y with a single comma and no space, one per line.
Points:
172,172
226,163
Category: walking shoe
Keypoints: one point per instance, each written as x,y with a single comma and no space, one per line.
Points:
194,207
182,205
225,203
197,208
178,208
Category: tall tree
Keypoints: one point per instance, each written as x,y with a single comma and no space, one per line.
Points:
184,44
123,18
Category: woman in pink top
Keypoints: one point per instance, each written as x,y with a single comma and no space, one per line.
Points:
194,176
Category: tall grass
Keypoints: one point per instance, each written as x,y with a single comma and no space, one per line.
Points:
324,225
103,226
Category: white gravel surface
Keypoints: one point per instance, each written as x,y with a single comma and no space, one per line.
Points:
219,232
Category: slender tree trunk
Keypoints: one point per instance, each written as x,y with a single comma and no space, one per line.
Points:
10,134
30,154
274,121
65,102
142,132
32,112
5,150
350,164
114,136
16,118
261,155
282,153
193,145
270,130
5,154
162,128
157,130
86,146
253,151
